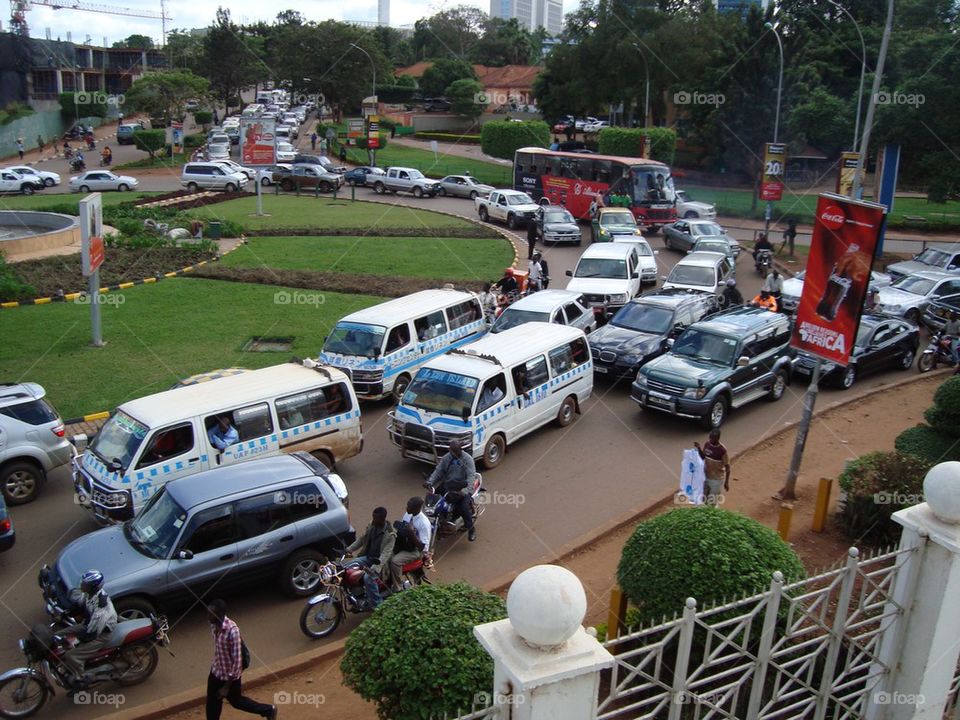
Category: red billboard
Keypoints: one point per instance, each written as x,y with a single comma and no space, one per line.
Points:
845,236
258,145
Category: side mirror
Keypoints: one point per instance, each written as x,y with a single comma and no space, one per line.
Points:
376,353
663,277
635,274
656,252
670,342
743,361
465,413
114,466
184,555
569,273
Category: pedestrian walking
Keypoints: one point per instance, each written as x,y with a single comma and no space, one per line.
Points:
790,235
40,143
227,667
20,148
532,234
393,131
313,141
716,467
343,153
56,147
323,146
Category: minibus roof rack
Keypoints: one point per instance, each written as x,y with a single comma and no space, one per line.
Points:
475,354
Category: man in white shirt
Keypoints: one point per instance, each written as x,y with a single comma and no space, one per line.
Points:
421,525
774,284
535,279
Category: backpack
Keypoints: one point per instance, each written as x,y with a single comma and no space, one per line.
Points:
407,539
244,655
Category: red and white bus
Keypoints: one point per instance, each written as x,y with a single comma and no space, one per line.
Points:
575,180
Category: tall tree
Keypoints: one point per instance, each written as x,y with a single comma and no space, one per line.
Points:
165,93
449,33
442,73
231,57
140,42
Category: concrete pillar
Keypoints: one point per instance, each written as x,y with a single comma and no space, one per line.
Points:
546,666
922,649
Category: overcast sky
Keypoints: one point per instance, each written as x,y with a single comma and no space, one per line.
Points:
193,14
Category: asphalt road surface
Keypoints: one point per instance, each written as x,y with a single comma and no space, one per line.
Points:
553,486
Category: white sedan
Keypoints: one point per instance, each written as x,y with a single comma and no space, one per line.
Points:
267,177
218,151
101,180
285,152
596,126
236,167
49,178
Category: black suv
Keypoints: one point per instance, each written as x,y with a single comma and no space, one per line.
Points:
641,329
436,105
719,363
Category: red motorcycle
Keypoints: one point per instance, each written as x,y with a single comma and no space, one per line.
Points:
129,657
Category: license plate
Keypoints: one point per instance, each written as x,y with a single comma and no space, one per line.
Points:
658,395
597,368
660,402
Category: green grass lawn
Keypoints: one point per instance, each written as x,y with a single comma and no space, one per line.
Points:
42,199
176,161
440,258
290,211
157,335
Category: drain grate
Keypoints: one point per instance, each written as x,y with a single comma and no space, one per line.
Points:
268,344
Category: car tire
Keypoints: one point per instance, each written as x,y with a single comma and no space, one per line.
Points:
473,194
21,482
443,192
512,221
667,243
778,387
230,187
134,608
301,573
123,187
907,360
84,188
400,387
654,229
325,457
286,185
690,215
379,188
48,182
417,192
264,181
717,413
912,316
191,187
567,411
494,451
484,214
27,189
847,378
326,187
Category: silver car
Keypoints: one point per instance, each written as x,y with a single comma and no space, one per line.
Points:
683,234
464,186
793,288
908,297
102,181
266,520
563,307
937,258
32,441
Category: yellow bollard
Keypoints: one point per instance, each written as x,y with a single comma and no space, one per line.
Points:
617,613
822,507
783,524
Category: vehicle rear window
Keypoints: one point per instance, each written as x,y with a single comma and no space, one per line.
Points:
33,412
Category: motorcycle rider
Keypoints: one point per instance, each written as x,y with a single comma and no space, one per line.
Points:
761,244
100,620
873,299
731,297
488,301
773,284
765,300
376,545
508,283
453,477
951,333
421,526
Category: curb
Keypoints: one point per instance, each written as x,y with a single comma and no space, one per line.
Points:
73,296
194,698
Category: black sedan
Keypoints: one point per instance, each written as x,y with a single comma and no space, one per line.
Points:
882,343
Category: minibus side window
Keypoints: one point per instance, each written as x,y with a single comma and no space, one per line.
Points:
530,374
253,421
398,338
493,391
430,326
167,443
568,356
463,314
313,406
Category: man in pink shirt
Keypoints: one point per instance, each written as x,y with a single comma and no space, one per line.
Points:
227,667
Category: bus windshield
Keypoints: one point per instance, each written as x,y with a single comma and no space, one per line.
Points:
651,184
355,339
441,392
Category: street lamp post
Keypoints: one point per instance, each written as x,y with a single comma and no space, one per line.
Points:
373,66
863,70
646,85
776,123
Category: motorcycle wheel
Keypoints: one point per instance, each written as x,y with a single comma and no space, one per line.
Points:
927,362
318,621
21,696
141,660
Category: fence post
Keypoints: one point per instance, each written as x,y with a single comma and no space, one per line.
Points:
617,614
766,643
684,643
822,507
921,649
836,633
545,665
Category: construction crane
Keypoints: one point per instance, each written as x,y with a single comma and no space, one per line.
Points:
18,12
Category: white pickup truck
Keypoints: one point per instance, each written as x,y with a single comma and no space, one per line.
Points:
513,207
11,182
693,209
402,179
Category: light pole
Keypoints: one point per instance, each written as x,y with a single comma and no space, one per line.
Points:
863,70
646,94
776,124
372,153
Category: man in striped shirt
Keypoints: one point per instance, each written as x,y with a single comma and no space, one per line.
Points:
227,667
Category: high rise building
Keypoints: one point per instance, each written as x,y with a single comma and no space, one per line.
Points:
531,14
383,12
739,6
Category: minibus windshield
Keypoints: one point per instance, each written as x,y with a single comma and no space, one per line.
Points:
119,439
355,339
442,392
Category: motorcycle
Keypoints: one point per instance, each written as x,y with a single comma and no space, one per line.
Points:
937,352
440,510
78,164
129,657
105,161
763,262
67,153
344,591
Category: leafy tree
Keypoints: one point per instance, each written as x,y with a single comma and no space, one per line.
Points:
141,42
405,81
150,141
426,632
465,96
72,110
437,78
230,57
502,138
185,51
452,32
165,93
504,42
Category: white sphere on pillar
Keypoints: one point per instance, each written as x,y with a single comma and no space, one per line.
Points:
941,490
546,605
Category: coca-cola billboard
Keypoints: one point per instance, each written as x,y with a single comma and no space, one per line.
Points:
845,236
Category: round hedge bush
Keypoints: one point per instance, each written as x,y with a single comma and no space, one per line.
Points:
706,553
944,416
416,656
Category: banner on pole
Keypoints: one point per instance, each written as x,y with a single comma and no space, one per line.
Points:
845,234
258,141
373,131
774,169
847,172
91,233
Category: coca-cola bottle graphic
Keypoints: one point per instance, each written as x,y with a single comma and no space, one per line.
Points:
838,284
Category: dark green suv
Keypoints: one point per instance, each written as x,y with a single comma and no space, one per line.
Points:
717,364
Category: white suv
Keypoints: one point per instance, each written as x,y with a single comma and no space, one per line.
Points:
211,176
608,275
32,441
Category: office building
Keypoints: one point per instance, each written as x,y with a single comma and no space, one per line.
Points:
383,12
741,7
531,14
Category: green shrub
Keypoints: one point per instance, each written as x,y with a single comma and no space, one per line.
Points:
447,137
706,553
14,111
194,141
416,656
202,117
626,142
12,287
405,130
926,443
71,109
150,141
944,416
876,485
502,138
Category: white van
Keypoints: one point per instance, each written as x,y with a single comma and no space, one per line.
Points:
383,346
493,391
162,437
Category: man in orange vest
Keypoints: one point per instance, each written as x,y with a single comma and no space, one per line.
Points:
765,300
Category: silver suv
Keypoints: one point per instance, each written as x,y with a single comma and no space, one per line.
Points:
32,441
270,519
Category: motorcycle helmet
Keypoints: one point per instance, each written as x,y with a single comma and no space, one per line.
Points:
91,581
731,282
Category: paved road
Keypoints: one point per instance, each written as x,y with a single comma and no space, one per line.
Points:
565,482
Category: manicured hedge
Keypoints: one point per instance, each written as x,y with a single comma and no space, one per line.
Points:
447,137
502,138
202,117
626,142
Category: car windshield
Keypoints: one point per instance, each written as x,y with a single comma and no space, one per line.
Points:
933,257
705,228
520,199
119,439
559,215
601,268
512,317
355,339
705,346
642,248
915,285
617,218
415,175
712,246
154,530
692,275
442,392
863,335
643,318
